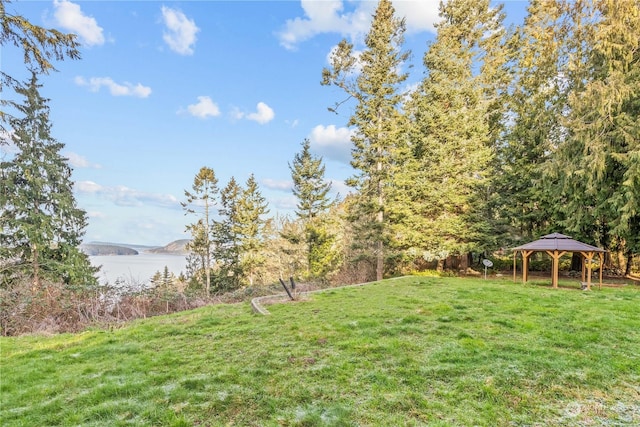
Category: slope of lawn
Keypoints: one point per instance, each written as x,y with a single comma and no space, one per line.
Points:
404,352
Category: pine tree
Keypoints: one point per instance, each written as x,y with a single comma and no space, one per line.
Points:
448,176
376,117
311,190
41,226
200,201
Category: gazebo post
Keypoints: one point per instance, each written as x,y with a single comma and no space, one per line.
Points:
556,266
525,265
589,267
514,266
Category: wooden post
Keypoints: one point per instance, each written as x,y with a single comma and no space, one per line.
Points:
589,268
556,266
525,265
514,266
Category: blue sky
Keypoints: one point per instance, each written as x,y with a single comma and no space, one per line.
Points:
164,88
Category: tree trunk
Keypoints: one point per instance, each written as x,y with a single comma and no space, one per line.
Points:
36,270
627,270
463,263
379,260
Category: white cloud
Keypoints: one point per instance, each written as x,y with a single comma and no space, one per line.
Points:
69,16
332,142
181,31
284,203
338,187
280,185
420,15
96,214
78,161
320,17
205,107
116,89
264,114
125,196
89,187
330,17
357,54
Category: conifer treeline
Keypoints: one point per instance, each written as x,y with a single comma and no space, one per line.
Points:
511,134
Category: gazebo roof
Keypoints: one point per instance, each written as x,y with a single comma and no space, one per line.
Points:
558,242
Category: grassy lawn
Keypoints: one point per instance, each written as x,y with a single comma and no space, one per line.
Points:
405,352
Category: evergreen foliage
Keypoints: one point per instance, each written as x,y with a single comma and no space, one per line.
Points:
447,174
41,226
200,201
227,238
373,80
251,227
311,190
536,100
599,160
39,45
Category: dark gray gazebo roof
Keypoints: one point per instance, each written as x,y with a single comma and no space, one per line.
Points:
558,242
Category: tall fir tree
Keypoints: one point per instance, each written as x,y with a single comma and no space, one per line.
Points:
537,97
312,192
448,175
41,225
251,225
599,160
227,238
200,201
373,79
309,185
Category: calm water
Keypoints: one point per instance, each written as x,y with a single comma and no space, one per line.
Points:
136,269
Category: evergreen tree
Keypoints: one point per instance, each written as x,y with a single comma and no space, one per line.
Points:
309,186
252,207
376,117
200,201
227,238
41,226
164,286
285,246
311,190
40,47
448,175
599,160
536,101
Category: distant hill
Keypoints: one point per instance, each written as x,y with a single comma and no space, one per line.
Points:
177,247
101,249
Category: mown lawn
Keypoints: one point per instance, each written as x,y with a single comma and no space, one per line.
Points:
405,352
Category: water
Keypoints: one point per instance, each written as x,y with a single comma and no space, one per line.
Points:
136,269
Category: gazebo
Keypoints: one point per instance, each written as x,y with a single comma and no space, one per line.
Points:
556,245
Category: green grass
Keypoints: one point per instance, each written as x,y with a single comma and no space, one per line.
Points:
405,352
